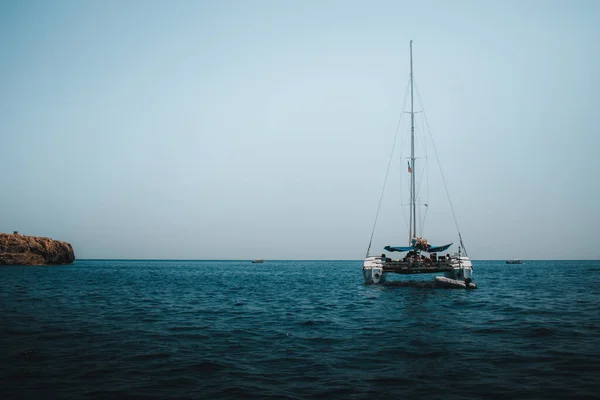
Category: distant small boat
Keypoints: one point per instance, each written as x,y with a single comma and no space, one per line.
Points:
515,261
258,261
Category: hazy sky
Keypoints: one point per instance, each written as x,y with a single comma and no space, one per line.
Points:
263,129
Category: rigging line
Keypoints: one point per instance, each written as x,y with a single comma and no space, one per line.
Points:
426,169
423,181
402,176
420,182
405,136
423,220
386,174
442,174
426,172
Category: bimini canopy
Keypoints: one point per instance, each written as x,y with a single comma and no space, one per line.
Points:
439,249
395,248
429,249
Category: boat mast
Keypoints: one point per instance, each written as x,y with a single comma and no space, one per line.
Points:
413,210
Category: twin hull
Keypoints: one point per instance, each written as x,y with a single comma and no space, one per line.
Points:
459,268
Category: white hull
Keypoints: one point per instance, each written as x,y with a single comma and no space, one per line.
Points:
373,270
461,261
460,276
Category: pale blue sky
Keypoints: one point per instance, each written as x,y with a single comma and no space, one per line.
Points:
262,129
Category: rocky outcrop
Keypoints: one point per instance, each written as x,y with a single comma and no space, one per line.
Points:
17,249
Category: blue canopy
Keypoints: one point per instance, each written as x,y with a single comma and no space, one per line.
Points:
439,249
390,248
430,249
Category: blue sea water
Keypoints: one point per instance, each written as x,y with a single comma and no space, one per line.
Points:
296,330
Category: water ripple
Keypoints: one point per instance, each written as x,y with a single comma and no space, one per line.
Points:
296,330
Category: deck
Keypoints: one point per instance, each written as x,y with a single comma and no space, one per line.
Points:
402,267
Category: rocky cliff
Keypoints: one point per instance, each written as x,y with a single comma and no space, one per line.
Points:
17,249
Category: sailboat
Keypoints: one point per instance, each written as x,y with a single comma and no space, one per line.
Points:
419,256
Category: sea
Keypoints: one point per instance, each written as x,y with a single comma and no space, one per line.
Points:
143,329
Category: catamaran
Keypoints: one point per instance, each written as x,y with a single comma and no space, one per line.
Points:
419,256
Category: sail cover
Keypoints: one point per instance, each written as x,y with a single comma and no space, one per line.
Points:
431,249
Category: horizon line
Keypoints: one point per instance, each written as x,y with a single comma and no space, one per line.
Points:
303,259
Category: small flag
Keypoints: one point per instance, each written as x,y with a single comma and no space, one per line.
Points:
409,169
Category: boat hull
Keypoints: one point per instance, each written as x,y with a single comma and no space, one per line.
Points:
458,270
373,270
